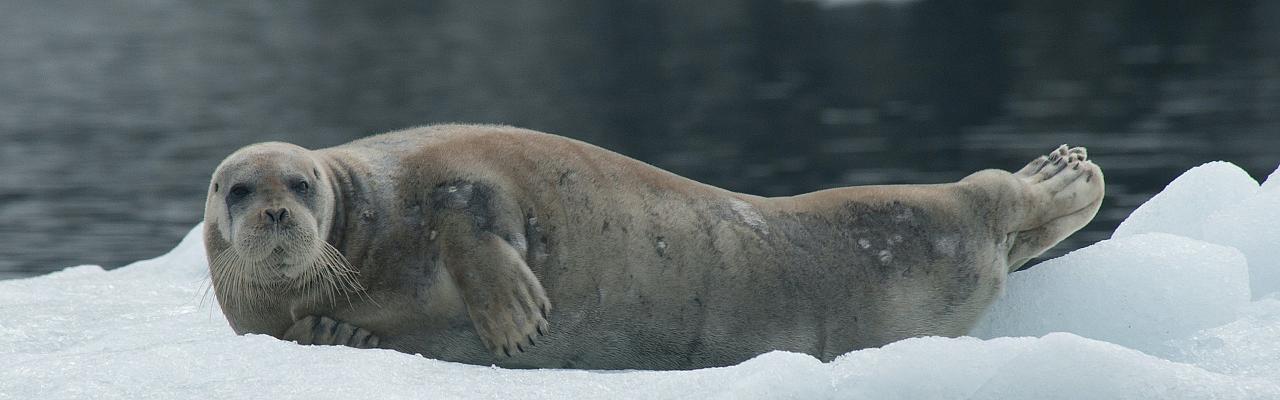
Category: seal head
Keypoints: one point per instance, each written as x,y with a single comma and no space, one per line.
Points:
273,206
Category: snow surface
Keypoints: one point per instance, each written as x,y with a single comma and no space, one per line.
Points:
1180,304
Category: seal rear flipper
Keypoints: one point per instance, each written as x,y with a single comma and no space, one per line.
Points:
1063,192
505,301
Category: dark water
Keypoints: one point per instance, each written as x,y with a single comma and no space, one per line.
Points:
113,113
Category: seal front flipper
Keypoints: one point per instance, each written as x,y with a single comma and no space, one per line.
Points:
327,331
504,299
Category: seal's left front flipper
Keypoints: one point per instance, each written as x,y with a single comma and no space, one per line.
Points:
505,301
327,331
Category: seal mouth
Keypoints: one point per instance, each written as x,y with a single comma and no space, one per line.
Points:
277,258
276,243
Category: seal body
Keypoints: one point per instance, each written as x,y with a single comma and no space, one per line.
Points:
498,245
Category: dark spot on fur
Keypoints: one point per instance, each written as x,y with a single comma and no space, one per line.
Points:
604,227
474,198
453,195
536,239
566,177
954,298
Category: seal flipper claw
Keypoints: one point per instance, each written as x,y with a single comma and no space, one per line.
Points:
314,330
505,301
302,330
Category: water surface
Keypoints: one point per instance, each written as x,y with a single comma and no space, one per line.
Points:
114,113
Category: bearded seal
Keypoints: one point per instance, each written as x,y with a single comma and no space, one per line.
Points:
497,245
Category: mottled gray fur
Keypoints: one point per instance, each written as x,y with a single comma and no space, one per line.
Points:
497,245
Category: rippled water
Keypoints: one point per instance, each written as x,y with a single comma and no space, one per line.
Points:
114,113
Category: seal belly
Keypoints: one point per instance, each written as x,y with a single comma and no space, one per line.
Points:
682,277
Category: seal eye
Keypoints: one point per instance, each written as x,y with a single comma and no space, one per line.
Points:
239,191
301,186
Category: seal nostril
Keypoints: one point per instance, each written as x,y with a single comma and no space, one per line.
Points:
277,215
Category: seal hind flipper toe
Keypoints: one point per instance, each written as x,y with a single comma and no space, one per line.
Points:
504,299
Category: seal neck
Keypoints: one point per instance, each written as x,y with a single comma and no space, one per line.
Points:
339,179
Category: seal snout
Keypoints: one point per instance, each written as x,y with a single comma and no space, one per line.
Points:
275,215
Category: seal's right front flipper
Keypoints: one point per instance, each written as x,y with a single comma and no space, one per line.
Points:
327,331
504,299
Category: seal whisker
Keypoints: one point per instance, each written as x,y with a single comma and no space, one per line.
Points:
225,277
334,288
349,276
321,272
315,283
308,282
205,284
242,271
324,266
238,289
237,273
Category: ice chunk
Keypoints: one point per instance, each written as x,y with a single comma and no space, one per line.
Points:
1249,346
150,331
187,259
1138,291
1057,366
1181,208
1219,203
1273,181
924,368
1065,366
1253,227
